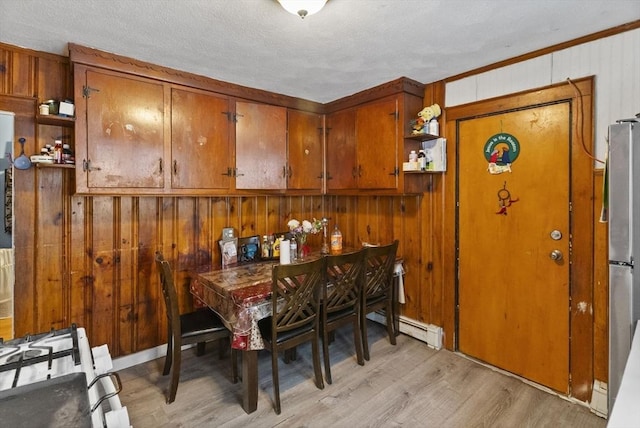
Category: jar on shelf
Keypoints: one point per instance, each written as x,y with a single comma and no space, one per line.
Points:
57,152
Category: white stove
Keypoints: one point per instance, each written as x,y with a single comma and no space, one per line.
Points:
34,360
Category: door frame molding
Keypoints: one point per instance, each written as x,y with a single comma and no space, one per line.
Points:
580,96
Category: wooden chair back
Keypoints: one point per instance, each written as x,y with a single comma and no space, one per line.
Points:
295,296
380,262
345,274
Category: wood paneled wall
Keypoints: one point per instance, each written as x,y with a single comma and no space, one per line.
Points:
89,260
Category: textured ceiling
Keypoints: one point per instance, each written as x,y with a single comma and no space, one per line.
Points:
348,46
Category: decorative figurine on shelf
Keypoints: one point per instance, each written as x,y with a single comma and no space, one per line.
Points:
424,116
418,126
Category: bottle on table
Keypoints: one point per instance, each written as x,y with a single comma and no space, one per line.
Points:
266,248
336,241
294,249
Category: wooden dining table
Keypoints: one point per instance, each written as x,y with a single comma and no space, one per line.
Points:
241,295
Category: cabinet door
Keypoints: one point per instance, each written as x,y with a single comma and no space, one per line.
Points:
200,153
261,146
124,132
305,151
342,167
377,145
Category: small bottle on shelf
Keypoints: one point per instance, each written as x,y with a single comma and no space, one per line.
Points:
434,127
57,152
422,160
67,154
336,241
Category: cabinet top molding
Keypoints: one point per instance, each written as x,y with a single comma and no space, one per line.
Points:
79,54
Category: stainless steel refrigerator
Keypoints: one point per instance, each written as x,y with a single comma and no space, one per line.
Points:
623,216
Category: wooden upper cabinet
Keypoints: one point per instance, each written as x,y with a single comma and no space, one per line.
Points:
305,153
261,146
200,147
377,137
119,132
342,165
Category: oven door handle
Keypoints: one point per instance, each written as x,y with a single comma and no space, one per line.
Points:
117,383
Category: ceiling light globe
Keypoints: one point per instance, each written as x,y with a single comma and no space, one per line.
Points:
302,8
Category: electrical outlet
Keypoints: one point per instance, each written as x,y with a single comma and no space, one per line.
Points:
227,233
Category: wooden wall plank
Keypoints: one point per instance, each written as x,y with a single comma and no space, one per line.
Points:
21,74
78,283
48,234
126,266
103,270
601,287
148,297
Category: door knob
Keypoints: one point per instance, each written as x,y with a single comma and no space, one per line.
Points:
556,255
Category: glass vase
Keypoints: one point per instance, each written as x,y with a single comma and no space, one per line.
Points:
302,246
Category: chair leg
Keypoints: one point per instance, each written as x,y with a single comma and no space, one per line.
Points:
276,381
316,361
290,354
168,358
175,375
200,348
357,339
390,323
365,341
325,354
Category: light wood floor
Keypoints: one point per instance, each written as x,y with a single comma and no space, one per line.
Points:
408,385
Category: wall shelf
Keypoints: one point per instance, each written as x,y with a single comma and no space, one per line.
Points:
421,137
55,120
54,165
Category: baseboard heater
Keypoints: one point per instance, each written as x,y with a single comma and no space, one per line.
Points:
428,333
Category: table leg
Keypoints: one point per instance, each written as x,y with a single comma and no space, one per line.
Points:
249,381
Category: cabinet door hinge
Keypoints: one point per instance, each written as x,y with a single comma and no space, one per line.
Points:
86,91
229,115
396,171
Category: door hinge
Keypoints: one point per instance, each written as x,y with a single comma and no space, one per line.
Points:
396,171
86,91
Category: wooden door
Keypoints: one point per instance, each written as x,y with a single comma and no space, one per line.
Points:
377,145
342,166
200,152
304,151
513,296
261,146
124,132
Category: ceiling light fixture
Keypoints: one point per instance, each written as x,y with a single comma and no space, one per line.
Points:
302,8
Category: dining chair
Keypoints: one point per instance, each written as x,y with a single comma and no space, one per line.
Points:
295,301
341,301
197,327
377,292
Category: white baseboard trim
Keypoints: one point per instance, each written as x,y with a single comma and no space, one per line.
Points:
131,360
599,399
428,333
